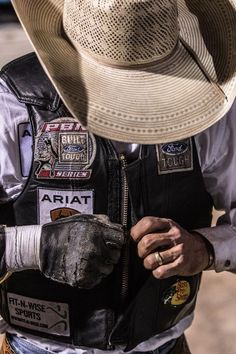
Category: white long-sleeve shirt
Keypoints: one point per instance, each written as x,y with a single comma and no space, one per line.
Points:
216,149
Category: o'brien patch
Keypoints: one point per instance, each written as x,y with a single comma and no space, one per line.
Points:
39,315
64,150
176,156
177,294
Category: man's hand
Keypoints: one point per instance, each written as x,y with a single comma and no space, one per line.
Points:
79,250
167,249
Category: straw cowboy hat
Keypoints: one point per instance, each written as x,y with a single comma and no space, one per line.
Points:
143,71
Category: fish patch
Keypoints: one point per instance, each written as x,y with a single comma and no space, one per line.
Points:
177,294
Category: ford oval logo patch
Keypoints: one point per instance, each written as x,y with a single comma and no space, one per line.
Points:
175,148
73,148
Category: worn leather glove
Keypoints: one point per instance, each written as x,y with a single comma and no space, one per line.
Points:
79,250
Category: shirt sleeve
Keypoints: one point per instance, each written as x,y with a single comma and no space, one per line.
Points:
13,122
216,149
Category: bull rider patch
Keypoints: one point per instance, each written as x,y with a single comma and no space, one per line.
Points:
175,156
64,150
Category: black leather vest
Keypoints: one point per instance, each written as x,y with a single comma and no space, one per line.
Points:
78,172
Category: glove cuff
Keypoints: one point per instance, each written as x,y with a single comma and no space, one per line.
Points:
22,247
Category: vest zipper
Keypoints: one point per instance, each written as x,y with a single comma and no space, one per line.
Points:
125,250
124,222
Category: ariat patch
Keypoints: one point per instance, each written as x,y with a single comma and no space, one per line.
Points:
176,156
177,294
25,147
38,315
56,204
64,150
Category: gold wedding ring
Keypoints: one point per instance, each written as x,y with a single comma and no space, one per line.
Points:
159,258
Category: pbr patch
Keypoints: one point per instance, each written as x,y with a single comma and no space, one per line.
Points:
39,315
56,204
176,156
25,146
64,150
177,294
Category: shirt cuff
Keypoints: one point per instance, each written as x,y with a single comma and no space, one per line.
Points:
223,240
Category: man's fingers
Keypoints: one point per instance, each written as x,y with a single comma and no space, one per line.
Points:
168,270
156,259
147,225
151,242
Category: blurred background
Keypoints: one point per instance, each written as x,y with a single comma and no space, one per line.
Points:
214,327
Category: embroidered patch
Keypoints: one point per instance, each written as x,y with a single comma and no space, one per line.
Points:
55,204
176,156
177,294
64,150
38,315
25,146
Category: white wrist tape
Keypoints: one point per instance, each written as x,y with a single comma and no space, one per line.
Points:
22,247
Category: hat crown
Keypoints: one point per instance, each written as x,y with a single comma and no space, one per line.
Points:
122,32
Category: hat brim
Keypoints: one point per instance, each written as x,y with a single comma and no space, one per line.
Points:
164,102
